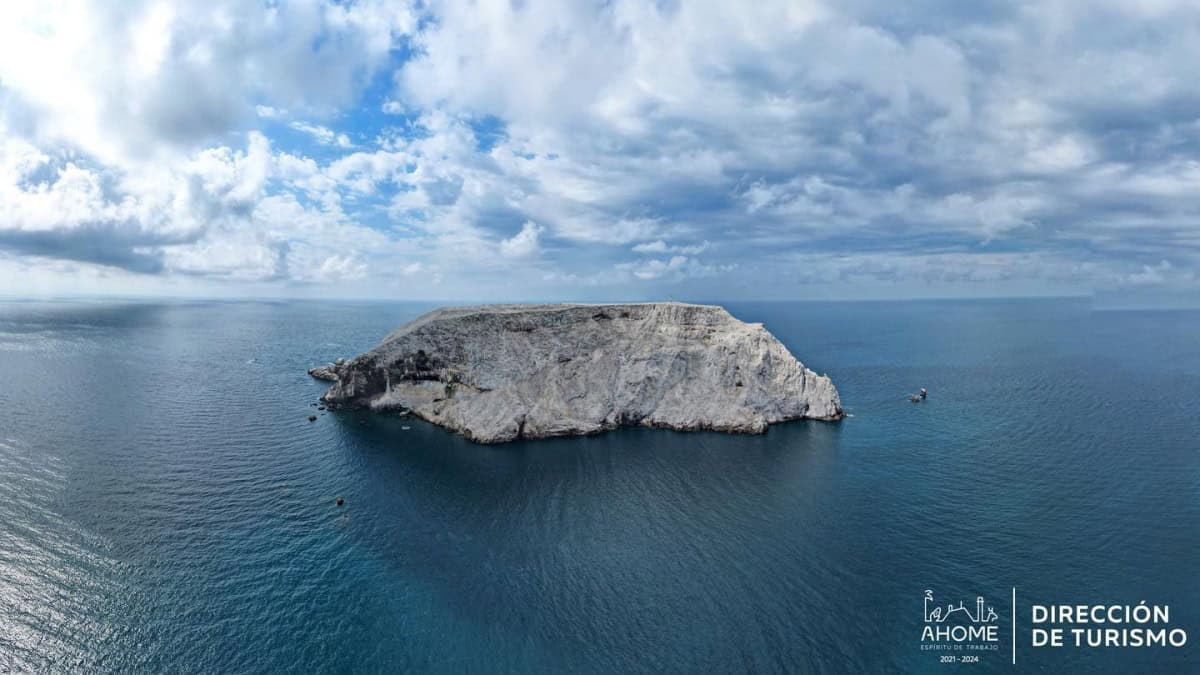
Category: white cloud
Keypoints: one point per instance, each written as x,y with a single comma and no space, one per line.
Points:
676,267
660,246
232,179
362,171
237,257
1164,274
53,206
127,81
126,131
323,135
524,244
341,268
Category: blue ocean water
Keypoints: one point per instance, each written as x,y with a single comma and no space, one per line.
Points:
166,506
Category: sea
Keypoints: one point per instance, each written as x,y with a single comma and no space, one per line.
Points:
166,505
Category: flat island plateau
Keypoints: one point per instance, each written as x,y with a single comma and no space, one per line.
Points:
497,373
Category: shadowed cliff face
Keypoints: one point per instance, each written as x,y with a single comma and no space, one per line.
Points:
500,372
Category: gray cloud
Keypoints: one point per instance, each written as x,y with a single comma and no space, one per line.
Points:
91,245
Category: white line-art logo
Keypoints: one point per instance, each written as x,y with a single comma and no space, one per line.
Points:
962,614
961,627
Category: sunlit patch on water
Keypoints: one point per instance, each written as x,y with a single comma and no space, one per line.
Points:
53,572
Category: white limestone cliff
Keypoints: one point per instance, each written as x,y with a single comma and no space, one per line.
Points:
497,373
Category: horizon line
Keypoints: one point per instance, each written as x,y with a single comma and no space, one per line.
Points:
50,297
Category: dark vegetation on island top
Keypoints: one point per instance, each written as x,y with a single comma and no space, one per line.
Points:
497,373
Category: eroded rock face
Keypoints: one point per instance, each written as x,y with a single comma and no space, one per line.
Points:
497,373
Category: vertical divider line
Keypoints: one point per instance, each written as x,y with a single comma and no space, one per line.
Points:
1014,626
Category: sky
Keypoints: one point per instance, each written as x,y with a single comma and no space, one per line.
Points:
599,150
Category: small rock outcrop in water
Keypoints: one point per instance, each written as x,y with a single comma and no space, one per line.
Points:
497,373
324,372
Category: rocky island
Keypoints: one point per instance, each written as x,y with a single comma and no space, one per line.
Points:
497,373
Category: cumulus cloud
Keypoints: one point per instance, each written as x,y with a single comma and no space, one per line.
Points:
124,80
127,132
1022,146
323,135
52,206
676,267
524,244
836,128
236,257
341,268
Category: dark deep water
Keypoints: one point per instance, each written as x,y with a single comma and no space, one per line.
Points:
166,506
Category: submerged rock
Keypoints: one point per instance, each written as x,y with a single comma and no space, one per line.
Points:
497,373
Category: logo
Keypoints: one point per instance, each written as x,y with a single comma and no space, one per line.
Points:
967,630
965,626
936,614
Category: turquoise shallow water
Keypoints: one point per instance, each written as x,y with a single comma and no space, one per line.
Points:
166,506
